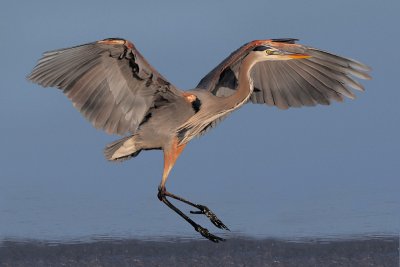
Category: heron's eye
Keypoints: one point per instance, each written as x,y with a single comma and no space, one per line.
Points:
270,51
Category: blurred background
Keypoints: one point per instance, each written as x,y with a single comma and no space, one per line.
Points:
311,172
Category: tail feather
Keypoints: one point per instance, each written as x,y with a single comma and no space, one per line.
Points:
122,149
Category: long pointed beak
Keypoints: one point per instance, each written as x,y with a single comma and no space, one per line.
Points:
293,56
287,56
297,56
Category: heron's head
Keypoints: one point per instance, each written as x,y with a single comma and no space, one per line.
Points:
265,52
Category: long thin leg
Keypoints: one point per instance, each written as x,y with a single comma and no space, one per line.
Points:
203,231
170,157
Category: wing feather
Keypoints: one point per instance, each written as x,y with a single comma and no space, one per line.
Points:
279,96
108,81
337,74
328,87
296,86
293,97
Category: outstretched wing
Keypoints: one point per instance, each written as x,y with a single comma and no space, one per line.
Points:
294,83
108,81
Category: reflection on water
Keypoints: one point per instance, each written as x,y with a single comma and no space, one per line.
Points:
6,241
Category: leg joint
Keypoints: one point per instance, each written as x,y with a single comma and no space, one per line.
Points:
161,193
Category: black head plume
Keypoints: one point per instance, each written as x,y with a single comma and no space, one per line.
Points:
261,48
285,40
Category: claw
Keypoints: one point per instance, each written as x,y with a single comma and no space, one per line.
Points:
213,218
204,232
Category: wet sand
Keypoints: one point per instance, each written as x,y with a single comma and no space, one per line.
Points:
383,251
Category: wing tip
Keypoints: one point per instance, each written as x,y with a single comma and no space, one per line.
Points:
360,66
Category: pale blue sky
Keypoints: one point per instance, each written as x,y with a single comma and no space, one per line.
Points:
310,171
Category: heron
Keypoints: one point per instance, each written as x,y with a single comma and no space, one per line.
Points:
118,91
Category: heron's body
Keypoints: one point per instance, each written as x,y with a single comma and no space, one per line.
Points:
116,89
197,106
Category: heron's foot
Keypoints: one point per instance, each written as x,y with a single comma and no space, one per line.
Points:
204,232
163,194
211,215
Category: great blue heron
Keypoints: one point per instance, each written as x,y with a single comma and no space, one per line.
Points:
118,91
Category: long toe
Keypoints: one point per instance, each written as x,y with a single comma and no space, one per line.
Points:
204,232
211,215
217,222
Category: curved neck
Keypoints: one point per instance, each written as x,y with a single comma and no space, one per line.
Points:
221,106
245,87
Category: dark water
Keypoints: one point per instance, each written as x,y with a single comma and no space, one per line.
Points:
378,251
